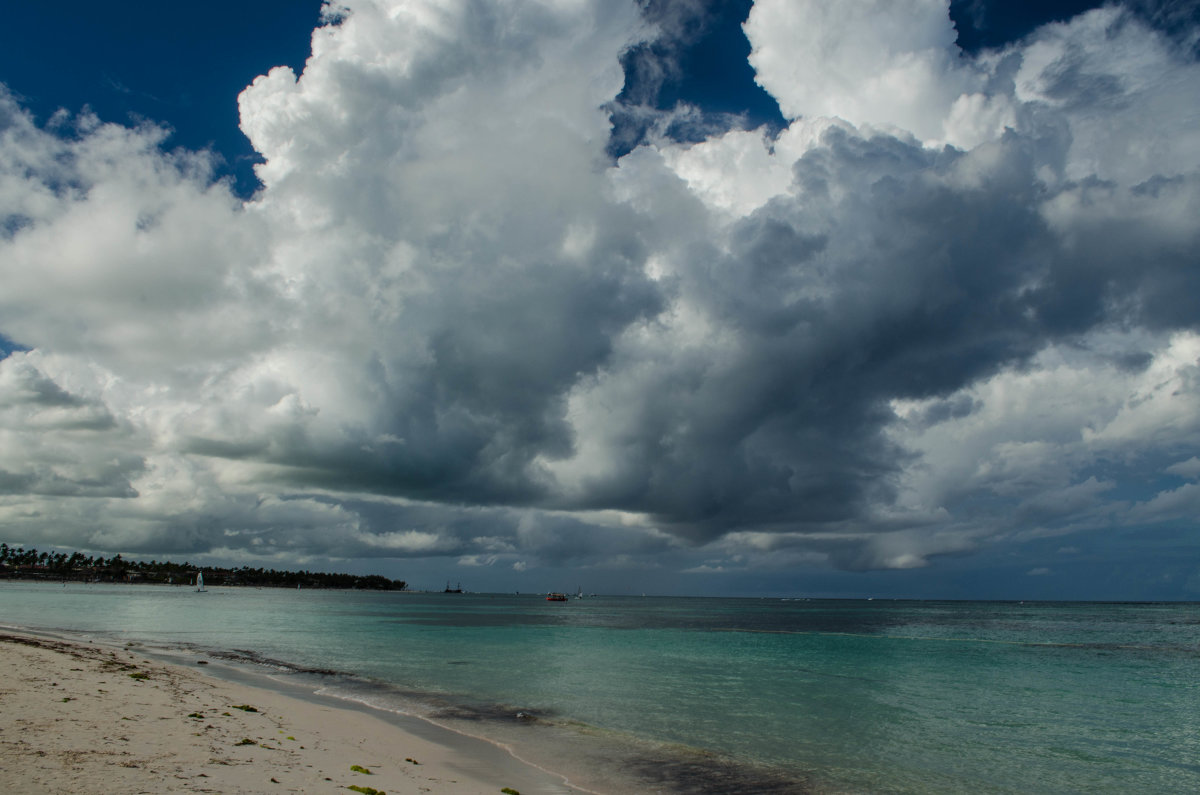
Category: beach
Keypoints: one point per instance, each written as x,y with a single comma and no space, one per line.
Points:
88,717
674,696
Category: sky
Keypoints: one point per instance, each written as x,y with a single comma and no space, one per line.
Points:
891,298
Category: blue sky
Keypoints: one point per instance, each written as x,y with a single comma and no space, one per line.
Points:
887,299
171,63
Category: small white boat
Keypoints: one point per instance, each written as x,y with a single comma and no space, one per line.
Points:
200,582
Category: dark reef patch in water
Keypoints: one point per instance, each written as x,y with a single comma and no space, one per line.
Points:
479,713
705,774
253,657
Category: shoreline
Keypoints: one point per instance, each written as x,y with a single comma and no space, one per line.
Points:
679,698
487,736
83,716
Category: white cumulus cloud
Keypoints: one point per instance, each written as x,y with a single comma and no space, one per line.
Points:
951,301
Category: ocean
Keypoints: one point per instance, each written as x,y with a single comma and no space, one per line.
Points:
699,695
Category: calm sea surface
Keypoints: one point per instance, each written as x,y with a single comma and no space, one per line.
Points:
723,695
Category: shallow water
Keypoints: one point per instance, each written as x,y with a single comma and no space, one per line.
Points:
724,695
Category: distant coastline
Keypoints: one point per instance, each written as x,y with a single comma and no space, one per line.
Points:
17,563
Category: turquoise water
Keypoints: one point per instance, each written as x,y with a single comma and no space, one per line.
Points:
852,696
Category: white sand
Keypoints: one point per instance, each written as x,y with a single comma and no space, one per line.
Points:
80,718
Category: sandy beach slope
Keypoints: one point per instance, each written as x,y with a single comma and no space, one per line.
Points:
78,717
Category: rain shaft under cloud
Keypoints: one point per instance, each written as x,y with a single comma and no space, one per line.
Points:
949,305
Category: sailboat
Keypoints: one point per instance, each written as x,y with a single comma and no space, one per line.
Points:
200,582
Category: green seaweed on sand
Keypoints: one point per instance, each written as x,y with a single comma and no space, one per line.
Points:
195,715
410,759
246,741
510,791
109,665
365,790
139,675
360,769
243,707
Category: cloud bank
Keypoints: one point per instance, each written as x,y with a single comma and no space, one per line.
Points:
951,304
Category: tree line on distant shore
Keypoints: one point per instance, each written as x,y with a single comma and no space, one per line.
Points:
29,564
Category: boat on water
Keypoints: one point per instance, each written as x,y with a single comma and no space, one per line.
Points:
200,582
556,597
452,590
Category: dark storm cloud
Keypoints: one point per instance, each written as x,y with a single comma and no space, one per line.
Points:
906,286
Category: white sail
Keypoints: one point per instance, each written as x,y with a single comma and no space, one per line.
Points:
199,581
